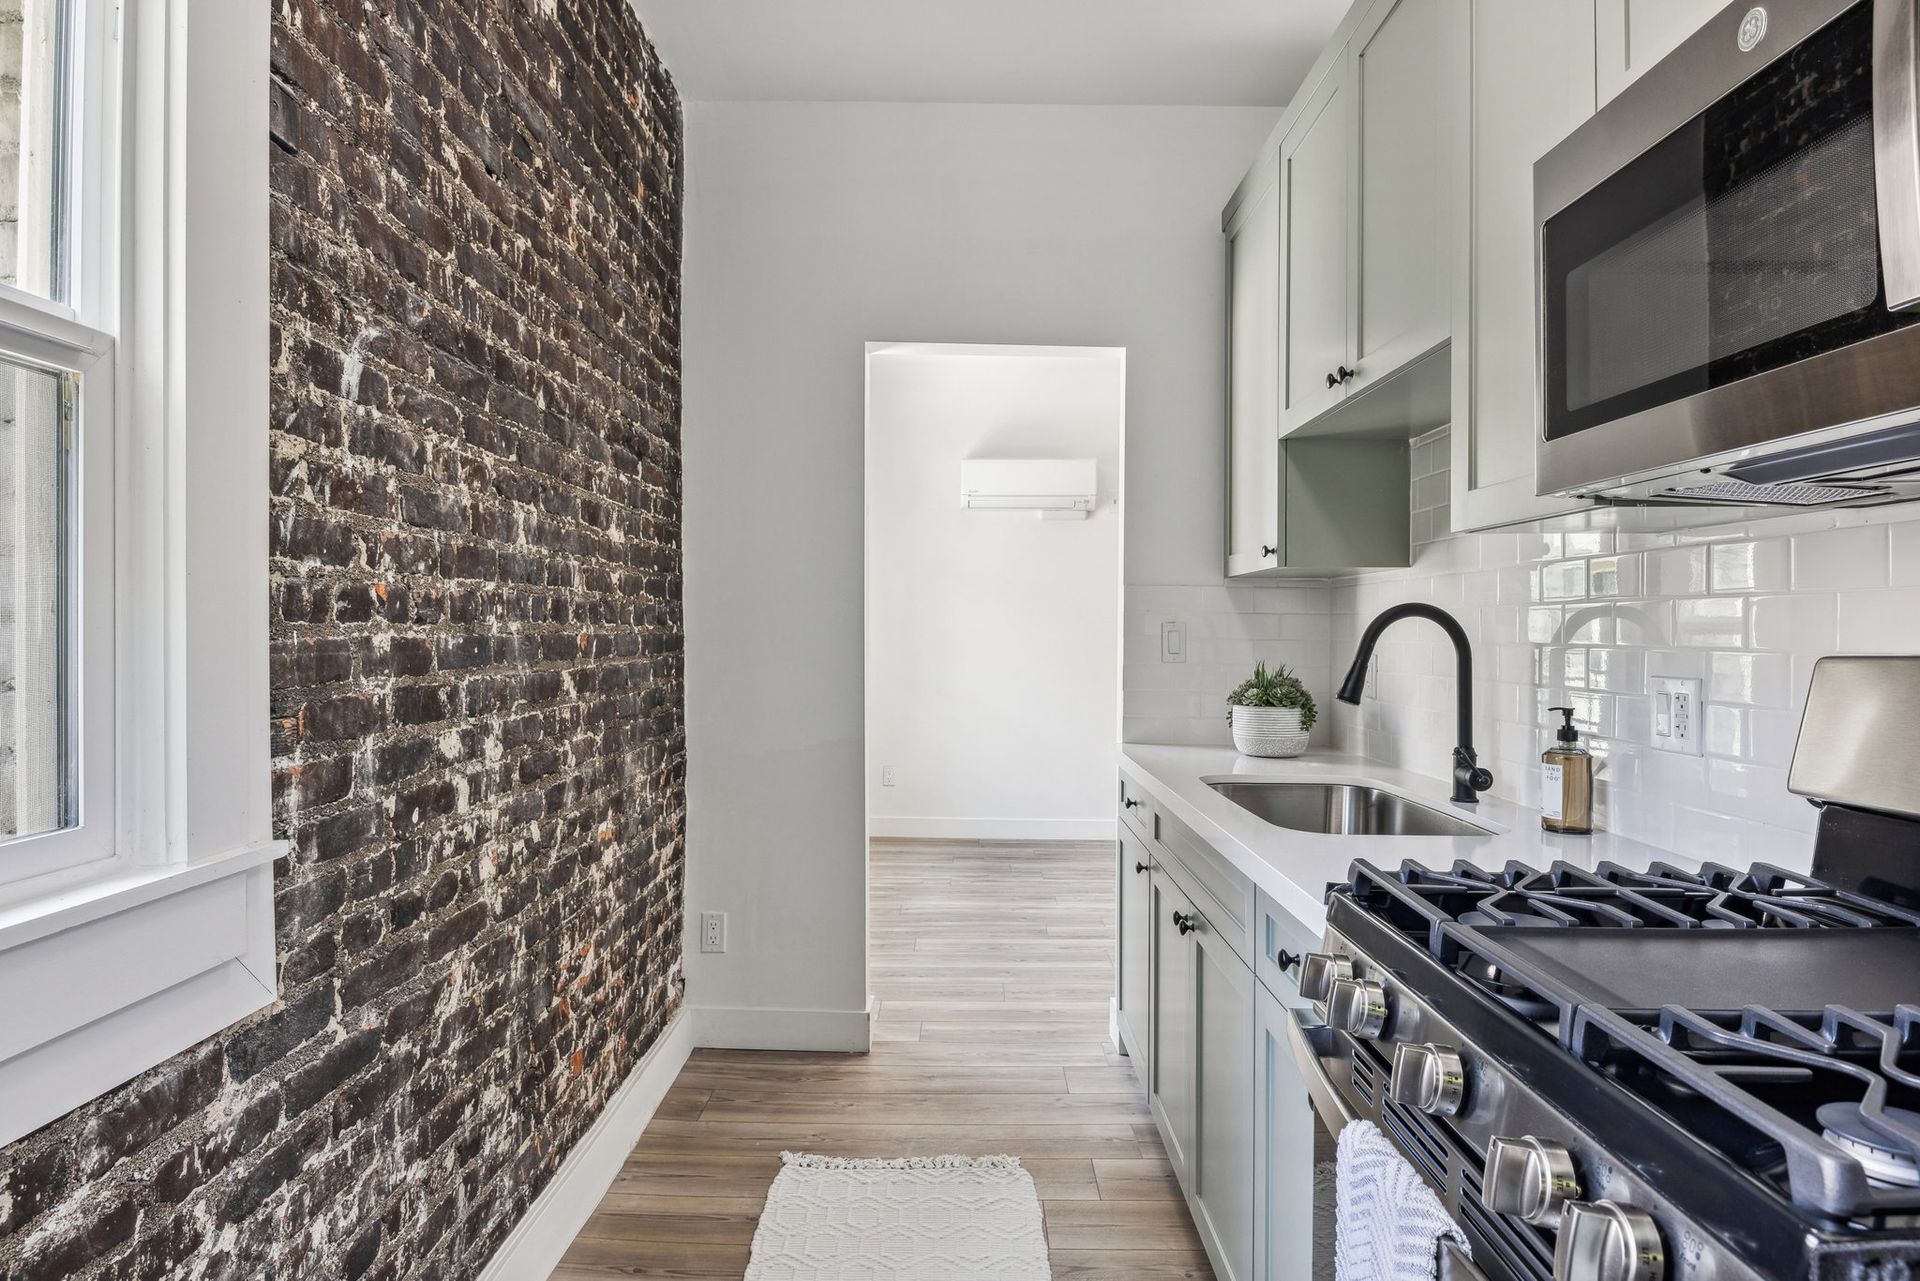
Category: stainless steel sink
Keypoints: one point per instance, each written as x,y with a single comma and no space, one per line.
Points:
1343,809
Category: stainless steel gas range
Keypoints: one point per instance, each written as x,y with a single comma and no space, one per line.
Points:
1627,1075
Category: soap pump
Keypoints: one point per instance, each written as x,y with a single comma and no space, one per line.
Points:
1566,782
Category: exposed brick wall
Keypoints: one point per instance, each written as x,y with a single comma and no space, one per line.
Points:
477,658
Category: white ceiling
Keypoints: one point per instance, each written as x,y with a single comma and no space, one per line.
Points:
1145,52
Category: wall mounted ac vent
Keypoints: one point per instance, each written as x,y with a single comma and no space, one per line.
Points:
1054,488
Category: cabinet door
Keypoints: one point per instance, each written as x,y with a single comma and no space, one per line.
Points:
1222,1187
1314,180
1531,85
1253,379
1400,72
1632,35
1131,1001
1173,1028
1284,1125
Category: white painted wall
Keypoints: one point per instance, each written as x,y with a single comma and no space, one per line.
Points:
813,229
993,637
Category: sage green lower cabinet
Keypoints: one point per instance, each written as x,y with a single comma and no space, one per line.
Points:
1221,1192
1175,1027
1135,950
1284,1126
1207,1032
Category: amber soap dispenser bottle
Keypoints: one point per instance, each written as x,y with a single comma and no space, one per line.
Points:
1566,782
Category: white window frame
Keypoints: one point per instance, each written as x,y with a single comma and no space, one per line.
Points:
149,925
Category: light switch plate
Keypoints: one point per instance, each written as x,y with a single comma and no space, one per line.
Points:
1173,642
1677,715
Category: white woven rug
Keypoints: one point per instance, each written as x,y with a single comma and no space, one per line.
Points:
943,1218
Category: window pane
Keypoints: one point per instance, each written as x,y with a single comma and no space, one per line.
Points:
33,144
36,791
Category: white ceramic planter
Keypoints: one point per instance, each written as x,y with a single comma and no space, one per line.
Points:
1268,731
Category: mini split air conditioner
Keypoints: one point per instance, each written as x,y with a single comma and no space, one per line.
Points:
1052,488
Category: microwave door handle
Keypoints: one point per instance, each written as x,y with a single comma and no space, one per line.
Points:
1896,147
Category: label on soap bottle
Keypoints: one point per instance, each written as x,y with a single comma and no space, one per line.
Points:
1553,792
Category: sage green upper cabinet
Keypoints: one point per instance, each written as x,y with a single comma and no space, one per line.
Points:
1253,376
1531,85
1315,173
1632,35
1399,78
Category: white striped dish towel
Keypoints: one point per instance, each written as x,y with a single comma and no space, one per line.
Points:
1388,1223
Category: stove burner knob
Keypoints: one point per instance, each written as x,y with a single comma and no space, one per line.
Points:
1318,970
1358,1006
1528,1178
1429,1077
1602,1241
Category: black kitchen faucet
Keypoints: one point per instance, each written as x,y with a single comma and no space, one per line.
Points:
1469,780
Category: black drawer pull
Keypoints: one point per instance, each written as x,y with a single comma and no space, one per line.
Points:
1139,867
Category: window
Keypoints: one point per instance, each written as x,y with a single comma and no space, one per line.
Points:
58,322
135,836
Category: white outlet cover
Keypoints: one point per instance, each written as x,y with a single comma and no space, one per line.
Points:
1678,719
886,776
713,931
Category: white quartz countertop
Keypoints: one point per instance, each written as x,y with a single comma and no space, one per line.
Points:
1294,868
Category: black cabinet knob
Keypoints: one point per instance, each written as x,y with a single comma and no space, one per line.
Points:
1183,921
1139,867
1333,380
1266,550
1286,960
1346,375
1131,804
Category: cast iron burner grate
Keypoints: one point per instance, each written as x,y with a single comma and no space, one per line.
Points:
1821,1104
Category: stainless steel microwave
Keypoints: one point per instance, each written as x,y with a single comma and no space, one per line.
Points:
1728,262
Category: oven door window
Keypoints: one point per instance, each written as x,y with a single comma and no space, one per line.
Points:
1746,240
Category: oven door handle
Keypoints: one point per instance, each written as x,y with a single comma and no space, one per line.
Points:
1896,147
1452,1263
1311,1044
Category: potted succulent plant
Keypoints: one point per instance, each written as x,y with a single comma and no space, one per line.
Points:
1271,713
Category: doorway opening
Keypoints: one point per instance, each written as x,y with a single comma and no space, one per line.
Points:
993,618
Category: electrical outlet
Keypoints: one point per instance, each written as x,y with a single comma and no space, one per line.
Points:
1676,713
713,931
886,776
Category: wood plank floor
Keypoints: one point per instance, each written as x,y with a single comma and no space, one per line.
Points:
992,965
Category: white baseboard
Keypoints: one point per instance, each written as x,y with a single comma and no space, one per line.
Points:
533,1248
745,1028
885,826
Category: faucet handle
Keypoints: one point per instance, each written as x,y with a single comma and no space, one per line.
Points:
1469,778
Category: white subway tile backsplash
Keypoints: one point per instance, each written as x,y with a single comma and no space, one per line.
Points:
1677,571
1829,560
1581,613
1879,622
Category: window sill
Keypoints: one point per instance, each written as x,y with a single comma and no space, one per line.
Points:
102,979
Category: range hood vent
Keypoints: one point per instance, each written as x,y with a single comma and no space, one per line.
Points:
1740,494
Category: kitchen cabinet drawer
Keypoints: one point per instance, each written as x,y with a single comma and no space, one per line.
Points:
1134,952
1280,941
1137,809
1221,894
